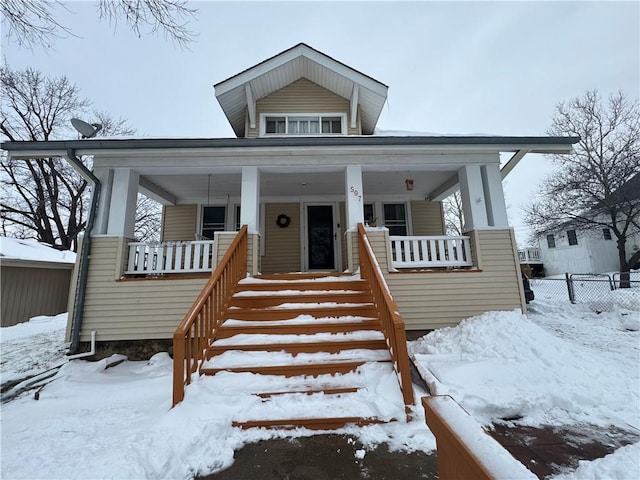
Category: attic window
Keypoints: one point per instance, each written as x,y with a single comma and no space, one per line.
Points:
331,124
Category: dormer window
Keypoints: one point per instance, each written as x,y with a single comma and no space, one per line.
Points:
303,124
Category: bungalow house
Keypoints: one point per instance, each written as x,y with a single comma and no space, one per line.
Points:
309,187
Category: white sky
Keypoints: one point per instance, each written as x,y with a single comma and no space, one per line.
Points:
451,67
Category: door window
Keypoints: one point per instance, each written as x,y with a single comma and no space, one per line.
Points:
321,241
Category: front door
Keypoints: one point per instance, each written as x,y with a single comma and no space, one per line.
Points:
320,238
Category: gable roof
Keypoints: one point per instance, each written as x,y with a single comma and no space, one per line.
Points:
241,91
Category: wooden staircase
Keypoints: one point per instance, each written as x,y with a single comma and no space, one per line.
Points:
291,335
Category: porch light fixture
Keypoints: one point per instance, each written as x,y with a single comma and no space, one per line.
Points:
409,183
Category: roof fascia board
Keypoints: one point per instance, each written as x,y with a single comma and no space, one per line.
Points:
290,55
26,263
20,150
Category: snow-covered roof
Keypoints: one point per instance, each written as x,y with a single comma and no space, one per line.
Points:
18,249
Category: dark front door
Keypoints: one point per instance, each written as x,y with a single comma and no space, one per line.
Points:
320,246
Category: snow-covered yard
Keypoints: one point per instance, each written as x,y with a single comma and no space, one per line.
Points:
561,364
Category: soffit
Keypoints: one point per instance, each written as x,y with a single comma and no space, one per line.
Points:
285,68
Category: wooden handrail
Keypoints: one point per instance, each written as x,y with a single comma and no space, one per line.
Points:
392,322
198,327
464,448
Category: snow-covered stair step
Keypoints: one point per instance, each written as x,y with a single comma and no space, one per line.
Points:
237,358
377,400
256,285
295,348
294,326
267,339
286,364
291,299
292,310
296,344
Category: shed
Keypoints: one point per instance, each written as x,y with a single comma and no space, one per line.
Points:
34,280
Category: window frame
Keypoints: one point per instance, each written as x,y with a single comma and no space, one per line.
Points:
224,223
606,233
551,241
319,116
406,218
572,238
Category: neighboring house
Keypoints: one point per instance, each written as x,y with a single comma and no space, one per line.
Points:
305,170
588,250
34,280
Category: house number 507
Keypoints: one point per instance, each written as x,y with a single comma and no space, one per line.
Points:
356,193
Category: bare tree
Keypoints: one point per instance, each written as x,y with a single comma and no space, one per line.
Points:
148,219
594,186
45,197
453,214
33,23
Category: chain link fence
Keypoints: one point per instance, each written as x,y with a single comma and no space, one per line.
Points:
600,291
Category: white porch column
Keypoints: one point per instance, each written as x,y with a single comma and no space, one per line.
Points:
250,199
494,196
105,175
353,196
473,201
124,196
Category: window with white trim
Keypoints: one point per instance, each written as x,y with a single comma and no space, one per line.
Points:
395,218
304,124
572,237
606,233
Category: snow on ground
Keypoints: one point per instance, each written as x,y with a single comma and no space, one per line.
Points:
117,422
32,347
561,364
619,464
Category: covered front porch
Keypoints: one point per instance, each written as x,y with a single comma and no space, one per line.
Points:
301,215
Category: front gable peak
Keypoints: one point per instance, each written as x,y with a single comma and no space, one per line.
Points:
239,93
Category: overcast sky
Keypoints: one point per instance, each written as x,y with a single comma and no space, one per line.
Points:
451,67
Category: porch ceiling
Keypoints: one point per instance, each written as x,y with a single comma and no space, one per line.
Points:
216,187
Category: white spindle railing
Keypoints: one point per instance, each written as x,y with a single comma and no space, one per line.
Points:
529,255
170,257
425,252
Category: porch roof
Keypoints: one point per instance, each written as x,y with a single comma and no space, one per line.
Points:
179,165
51,148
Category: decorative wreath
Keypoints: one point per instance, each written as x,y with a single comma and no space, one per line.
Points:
283,220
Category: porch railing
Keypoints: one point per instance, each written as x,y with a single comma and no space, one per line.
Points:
387,309
170,257
196,331
434,251
529,255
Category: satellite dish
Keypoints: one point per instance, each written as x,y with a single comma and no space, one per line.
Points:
87,130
